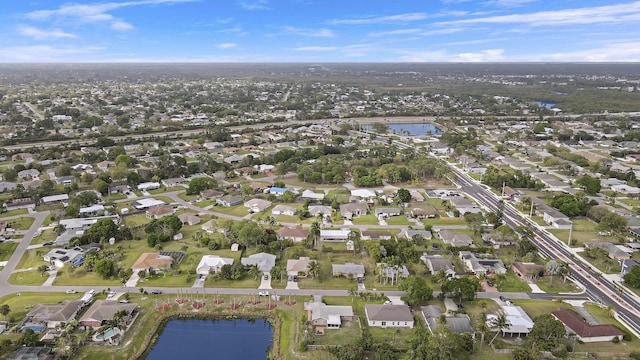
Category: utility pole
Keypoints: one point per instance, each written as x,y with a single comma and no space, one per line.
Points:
570,231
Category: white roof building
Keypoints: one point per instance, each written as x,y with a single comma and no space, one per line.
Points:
212,263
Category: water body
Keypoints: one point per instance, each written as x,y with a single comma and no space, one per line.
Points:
208,339
546,104
411,129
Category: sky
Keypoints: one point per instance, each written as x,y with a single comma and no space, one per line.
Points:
320,31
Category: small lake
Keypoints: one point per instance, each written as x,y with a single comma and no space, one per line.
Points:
208,339
546,104
410,129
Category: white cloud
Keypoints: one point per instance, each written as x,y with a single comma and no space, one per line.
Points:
588,15
38,34
316,48
308,32
256,5
490,55
508,3
95,13
234,30
615,52
400,18
227,45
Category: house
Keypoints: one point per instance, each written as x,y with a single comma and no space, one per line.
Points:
174,182
102,311
385,213
350,270
409,234
497,239
584,331
33,353
375,235
323,316
211,194
65,180
299,267
7,186
189,219
457,323
464,206
144,204
391,272
455,239
616,252
428,213
324,210
28,174
334,235
257,205
93,210
229,200
482,266
364,194
436,264
105,165
212,264
119,189
146,186
152,261
76,227
351,210
159,211
295,233
555,218
22,203
283,210
209,226
54,315
527,270
59,257
519,322
55,199
389,316
310,194
277,191
264,261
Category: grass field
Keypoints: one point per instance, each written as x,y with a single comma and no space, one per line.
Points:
14,213
6,249
510,282
31,277
556,285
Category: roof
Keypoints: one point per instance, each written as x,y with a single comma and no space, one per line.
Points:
582,328
299,265
388,312
64,311
259,203
264,261
147,203
334,234
283,208
525,268
348,268
363,193
152,260
102,310
212,261
312,195
293,232
455,239
319,209
437,263
519,321
458,323
321,310
160,210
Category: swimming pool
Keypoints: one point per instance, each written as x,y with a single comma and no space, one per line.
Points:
35,328
108,334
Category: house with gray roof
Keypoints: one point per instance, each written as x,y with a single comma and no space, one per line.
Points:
616,252
438,263
389,316
54,315
351,210
457,323
324,316
315,210
482,266
385,213
455,239
264,261
229,200
348,269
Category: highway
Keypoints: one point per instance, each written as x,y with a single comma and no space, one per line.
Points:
597,288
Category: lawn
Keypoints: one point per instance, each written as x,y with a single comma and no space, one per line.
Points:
14,213
238,210
21,304
341,196
47,235
583,231
556,285
69,276
114,197
6,249
136,219
23,223
535,308
603,263
630,202
31,277
510,282
32,258
369,219
399,220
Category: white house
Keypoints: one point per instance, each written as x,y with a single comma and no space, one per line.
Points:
283,210
388,315
146,186
212,264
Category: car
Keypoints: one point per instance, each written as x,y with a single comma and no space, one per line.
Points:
295,278
124,301
156,291
360,280
263,293
509,302
388,302
92,292
502,299
111,294
71,291
460,307
489,283
48,243
266,277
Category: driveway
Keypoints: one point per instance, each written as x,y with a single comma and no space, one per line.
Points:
292,285
265,281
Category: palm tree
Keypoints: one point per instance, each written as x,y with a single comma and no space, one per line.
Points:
481,326
315,231
352,292
313,269
499,323
5,310
254,271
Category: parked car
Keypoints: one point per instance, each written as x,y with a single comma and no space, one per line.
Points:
156,291
360,280
502,299
263,293
295,278
266,277
71,291
124,301
111,294
48,243
489,283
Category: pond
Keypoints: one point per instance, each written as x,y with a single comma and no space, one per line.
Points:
208,339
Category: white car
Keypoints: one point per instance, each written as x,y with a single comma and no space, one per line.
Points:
263,293
71,291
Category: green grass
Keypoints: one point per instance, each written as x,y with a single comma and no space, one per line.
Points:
556,285
7,249
535,308
47,235
399,220
32,258
31,277
342,196
511,283
603,263
238,210
583,231
136,219
21,304
114,197
23,223
14,213
630,202
369,219
69,276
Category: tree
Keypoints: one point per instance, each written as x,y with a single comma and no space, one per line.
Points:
475,220
106,268
552,267
612,222
314,269
498,323
632,278
199,184
524,353
403,195
103,229
5,310
547,332
463,288
589,184
85,198
254,272
417,290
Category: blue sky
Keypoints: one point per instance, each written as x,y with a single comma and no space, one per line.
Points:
320,31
